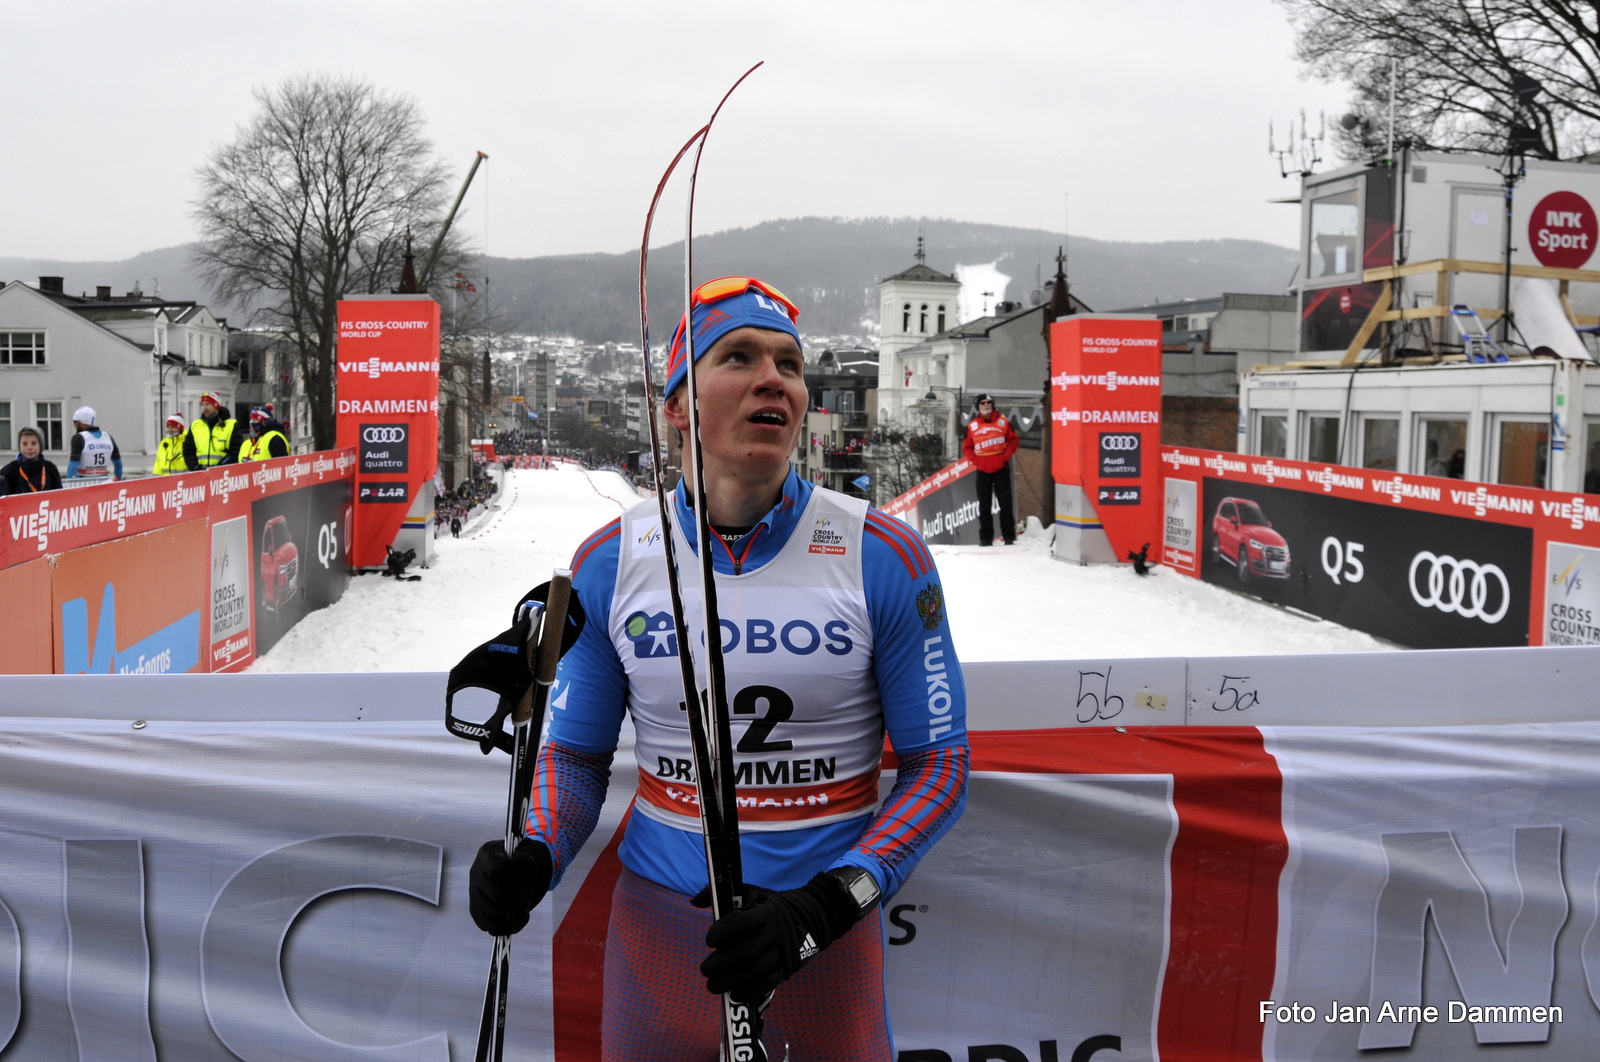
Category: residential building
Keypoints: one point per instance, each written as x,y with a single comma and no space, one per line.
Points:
913,305
833,449
132,357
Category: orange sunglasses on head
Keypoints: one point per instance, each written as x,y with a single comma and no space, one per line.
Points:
723,287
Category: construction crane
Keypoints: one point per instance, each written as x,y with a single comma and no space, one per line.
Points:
444,230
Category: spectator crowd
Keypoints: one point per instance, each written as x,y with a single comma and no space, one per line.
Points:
453,508
213,438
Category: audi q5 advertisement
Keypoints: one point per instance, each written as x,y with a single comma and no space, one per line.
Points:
301,542
1422,580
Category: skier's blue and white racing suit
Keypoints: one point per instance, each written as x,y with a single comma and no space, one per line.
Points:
834,633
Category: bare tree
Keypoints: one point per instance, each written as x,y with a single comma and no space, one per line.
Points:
312,202
907,449
1459,66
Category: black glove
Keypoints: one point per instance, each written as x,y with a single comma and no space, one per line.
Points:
502,889
767,940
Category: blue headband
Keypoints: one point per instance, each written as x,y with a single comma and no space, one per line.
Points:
712,321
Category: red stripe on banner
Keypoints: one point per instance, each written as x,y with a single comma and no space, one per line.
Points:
578,954
1226,862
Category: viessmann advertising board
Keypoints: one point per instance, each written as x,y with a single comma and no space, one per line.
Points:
388,395
944,507
165,604
1105,422
1422,561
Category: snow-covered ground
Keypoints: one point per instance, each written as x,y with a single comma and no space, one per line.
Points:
1005,603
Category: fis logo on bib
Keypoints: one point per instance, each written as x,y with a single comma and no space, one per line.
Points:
652,634
647,537
826,538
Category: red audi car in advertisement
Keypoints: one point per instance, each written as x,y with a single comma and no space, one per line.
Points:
280,565
1241,535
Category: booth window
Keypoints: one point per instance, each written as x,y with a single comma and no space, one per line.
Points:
1443,449
47,418
1322,439
1380,444
1524,452
1335,240
1272,434
5,427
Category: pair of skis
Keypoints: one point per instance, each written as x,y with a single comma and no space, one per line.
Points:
707,706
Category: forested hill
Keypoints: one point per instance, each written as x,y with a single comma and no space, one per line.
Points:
829,266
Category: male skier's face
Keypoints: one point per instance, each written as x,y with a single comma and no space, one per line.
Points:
752,401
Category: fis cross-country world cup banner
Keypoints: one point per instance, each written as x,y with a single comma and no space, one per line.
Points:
388,410
1105,421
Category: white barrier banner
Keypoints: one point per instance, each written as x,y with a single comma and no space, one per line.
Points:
296,891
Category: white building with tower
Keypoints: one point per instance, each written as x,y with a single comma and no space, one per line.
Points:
914,305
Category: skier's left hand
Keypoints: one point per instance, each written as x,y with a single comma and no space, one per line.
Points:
767,940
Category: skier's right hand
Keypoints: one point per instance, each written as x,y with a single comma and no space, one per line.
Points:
502,889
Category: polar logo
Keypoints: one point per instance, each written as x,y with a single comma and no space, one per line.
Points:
383,434
1459,586
1562,230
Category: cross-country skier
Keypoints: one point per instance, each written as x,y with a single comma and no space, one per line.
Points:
834,632
94,453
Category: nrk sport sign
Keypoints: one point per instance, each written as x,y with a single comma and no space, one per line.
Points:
1422,561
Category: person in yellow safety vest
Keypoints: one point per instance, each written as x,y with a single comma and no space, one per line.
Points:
169,455
268,438
214,438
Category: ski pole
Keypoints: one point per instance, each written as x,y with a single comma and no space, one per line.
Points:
706,708
543,653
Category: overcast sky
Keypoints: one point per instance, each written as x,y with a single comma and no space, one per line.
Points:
1153,116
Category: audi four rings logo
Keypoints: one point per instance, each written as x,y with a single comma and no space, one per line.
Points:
1459,586
383,435
1119,442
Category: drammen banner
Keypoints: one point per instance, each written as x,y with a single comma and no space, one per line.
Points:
1105,423
388,395
297,890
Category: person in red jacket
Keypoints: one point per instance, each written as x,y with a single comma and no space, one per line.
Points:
989,444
